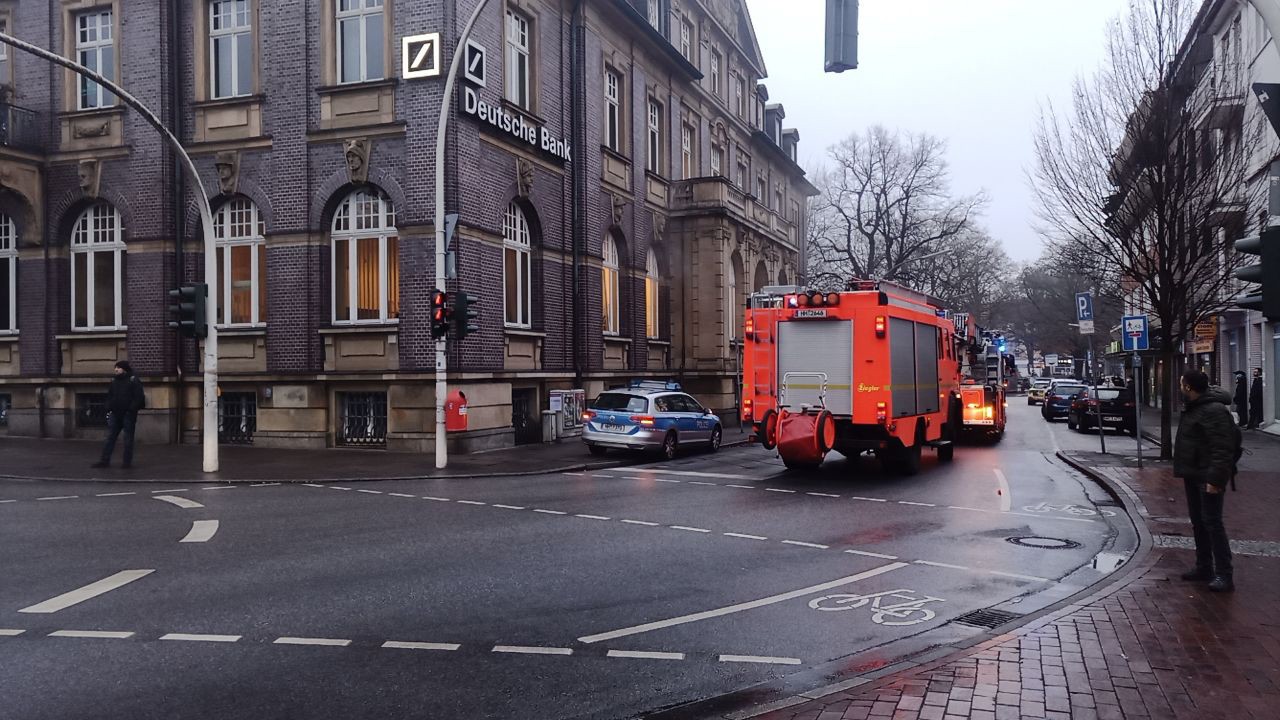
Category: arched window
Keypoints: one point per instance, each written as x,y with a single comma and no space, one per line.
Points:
611,322
366,260
517,276
731,299
651,291
782,276
8,275
97,270
762,277
242,263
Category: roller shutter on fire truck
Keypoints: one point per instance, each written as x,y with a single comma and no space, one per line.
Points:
913,363
816,347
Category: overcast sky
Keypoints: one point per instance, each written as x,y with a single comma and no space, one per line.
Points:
971,72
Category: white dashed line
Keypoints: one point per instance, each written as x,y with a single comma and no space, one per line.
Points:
527,650
508,507
219,487
645,523
593,517
335,487
602,475
645,655
119,494
941,565
871,554
160,492
962,507
1019,577
312,485
818,494
92,590
7,501
201,531
867,499
263,484
742,487
806,544
403,495
189,637
689,473
437,499
745,536
181,502
334,642
908,502
690,529
471,502
763,659
405,645
371,492
10,632
699,482
95,634
59,497
667,480
549,512
779,490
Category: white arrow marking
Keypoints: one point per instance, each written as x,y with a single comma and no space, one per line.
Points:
181,502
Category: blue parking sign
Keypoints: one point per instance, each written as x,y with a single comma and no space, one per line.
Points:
1084,306
1136,333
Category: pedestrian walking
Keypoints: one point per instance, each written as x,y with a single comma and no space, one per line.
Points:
1204,455
1241,399
125,397
1255,400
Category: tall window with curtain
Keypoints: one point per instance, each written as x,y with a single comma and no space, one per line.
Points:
366,261
8,275
242,264
517,275
610,275
97,270
652,290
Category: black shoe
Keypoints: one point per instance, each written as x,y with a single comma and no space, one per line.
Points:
1222,583
101,464
1197,575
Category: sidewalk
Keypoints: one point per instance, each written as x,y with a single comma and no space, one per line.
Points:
28,458
1146,646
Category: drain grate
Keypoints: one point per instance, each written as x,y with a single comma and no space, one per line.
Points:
1044,543
987,618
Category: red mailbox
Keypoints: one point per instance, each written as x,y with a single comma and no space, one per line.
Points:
455,411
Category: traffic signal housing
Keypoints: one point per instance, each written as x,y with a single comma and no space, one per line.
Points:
841,36
439,314
187,310
1266,273
464,314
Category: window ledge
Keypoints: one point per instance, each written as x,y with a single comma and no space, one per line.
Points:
615,154
9,336
656,341
356,86
656,176
527,114
250,331
230,102
384,328
90,112
113,334
523,332
617,339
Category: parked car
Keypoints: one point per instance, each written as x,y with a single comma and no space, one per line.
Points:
1114,405
1057,401
651,416
1039,386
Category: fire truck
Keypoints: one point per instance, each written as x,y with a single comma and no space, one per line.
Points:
984,385
874,368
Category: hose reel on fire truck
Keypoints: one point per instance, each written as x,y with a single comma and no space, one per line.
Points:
806,435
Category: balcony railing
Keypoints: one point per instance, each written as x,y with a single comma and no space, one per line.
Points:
20,128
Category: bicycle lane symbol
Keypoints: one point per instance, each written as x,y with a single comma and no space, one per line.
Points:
1068,509
910,610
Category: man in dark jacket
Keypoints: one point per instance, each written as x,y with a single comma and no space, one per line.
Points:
1255,400
124,399
1241,399
1204,457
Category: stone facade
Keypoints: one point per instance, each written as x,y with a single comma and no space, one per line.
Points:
298,138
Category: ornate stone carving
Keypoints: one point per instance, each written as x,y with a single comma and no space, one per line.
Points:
619,205
524,177
228,165
659,227
357,151
91,131
90,172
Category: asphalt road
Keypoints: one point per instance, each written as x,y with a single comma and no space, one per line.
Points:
602,595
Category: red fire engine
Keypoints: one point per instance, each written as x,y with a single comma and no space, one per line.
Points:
873,368
982,391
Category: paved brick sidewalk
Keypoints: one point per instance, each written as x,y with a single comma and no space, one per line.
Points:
1149,646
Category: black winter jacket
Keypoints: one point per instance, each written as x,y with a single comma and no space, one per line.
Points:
1204,450
125,395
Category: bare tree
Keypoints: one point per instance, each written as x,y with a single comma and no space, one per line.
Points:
884,204
1142,184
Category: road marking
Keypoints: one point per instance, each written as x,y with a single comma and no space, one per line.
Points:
335,487
593,517
699,482
405,645
818,494
1018,576
403,495
159,492
98,634
645,655
806,544
181,502
764,659
641,522
941,565
867,499
189,637
312,485
471,502
667,480
689,473
779,490
371,492
690,529
744,536
961,507
871,554
740,607
526,650
549,512
742,487
201,531
92,590
219,487
264,484
10,632
59,497
7,501
119,494
437,499
334,642
1006,499
508,507
602,475
908,502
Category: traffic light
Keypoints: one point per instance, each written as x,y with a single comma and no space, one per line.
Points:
188,310
439,314
1266,273
842,36
464,313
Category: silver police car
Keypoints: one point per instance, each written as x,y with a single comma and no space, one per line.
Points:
649,415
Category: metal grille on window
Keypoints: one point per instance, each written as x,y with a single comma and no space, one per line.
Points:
91,410
363,419
237,418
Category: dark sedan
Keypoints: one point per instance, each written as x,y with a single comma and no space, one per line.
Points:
1057,402
1114,406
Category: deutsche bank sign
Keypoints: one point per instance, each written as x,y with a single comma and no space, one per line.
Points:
499,118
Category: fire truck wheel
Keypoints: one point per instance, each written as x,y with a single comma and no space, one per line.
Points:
825,428
670,446
947,453
909,460
769,429
716,436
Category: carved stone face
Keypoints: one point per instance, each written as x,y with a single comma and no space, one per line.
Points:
354,160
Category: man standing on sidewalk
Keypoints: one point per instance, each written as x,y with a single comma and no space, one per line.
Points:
125,398
1204,457
1241,399
1255,400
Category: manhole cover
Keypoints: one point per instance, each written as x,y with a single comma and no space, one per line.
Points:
1044,543
987,618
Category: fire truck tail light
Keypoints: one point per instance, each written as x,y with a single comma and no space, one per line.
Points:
746,409
881,322
972,405
645,420
990,411
882,411
833,298
816,300
802,300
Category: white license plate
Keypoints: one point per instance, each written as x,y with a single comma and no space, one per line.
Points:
1112,418
614,428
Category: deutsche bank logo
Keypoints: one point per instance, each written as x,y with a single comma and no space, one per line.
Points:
420,56
473,63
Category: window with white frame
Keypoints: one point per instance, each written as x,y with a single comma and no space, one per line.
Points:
686,39
518,80
613,110
517,273
97,270
731,302
652,288
717,159
230,49
611,320
366,261
240,238
716,61
653,146
655,14
762,191
688,160
361,40
8,275
96,50
740,96
740,176
6,77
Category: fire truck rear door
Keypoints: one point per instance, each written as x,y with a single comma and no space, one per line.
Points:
816,346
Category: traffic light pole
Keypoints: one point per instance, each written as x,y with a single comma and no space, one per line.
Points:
442,385
210,418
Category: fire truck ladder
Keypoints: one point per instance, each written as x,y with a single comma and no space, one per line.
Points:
821,387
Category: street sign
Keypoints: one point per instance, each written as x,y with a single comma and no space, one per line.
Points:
1269,97
1051,359
474,64
420,56
1084,312
1137,335
1199,347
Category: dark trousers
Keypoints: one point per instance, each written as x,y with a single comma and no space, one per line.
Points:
117,422
1213,552
1242,409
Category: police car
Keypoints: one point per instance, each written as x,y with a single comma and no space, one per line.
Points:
649,415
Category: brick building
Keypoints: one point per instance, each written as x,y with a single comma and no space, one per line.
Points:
622,183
